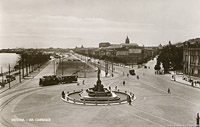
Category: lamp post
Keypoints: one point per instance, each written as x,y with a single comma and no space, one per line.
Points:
112,62
2,73
62,64
54,67
9,74
106,67
198,119
20,74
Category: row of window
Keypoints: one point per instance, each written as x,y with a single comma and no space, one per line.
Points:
193,59
194,72
196,52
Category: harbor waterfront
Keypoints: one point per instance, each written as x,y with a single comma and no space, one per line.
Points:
8,58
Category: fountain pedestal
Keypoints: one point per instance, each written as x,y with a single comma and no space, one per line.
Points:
98,92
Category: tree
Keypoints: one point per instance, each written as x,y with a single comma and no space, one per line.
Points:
171,57
157,66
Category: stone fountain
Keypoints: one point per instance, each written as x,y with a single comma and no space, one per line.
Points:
98,92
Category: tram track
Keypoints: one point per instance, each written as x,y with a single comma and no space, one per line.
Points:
4,104
12,92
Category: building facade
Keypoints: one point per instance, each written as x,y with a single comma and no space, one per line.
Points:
104,44
127,53
191,58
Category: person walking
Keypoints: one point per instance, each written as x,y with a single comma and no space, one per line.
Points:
129,99
127,75
123,83
133,97
63,94
109,88
115,88
168,91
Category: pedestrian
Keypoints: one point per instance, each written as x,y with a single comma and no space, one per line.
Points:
115,88
192,84
138,77
83,82
109,88
127,75
123,83
169,91
63,94
129,99
133,97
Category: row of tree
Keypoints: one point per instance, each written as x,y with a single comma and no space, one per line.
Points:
30,61
113,58
171,56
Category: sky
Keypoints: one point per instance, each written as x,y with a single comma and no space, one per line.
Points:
71,23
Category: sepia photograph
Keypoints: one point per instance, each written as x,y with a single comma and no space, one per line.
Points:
99,63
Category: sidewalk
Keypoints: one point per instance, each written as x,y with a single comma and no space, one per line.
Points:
179,79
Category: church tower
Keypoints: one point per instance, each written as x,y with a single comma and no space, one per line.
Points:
127,40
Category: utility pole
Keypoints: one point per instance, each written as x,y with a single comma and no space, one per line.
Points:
54,67
62,65
2,73
85,67
198,119
106,69
22,66
19,73
9,74
112,63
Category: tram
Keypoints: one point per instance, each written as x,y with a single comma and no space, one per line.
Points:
49,80
55,80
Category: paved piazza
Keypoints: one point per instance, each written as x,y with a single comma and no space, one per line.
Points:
28,105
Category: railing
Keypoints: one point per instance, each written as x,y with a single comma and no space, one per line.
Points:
96,102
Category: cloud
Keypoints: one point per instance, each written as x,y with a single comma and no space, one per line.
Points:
51,21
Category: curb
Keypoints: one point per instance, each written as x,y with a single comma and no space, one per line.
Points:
185,84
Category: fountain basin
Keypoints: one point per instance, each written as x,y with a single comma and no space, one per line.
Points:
98,96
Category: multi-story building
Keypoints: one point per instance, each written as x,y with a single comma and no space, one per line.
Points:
191,59
128,53
104,44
